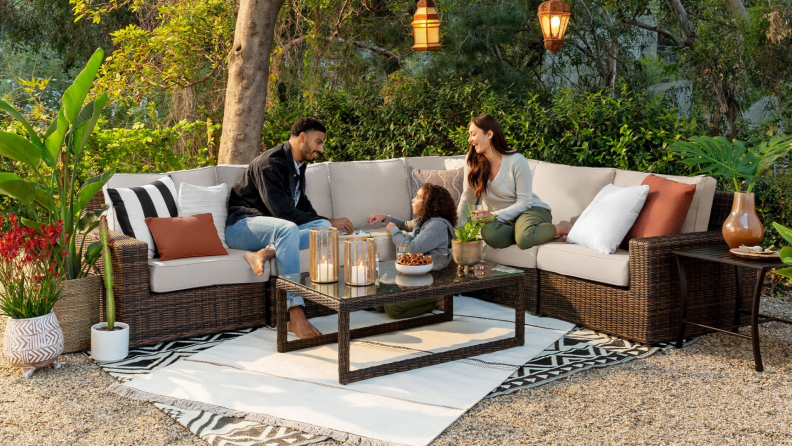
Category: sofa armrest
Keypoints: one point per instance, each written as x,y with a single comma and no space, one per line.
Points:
130,272
651,262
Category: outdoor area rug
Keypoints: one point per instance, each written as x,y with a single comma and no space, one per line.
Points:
579,350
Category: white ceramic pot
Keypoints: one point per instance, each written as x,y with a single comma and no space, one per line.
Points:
33,343
109,346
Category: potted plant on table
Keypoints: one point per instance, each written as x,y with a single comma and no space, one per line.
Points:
31,266
467,249
53,193
731,159
109,340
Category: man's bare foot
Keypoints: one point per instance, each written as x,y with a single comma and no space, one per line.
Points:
258,259
299,325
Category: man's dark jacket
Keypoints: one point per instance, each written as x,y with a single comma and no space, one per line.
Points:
267,189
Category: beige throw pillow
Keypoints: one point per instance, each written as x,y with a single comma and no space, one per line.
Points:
451,180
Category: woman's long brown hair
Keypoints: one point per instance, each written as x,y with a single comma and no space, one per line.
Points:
479,164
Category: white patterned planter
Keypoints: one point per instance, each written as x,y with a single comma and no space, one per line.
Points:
33,343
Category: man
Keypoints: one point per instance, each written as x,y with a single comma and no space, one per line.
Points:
269,214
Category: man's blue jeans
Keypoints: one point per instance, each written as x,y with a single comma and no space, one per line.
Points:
256,233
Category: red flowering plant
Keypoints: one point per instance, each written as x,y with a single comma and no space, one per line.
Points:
31,269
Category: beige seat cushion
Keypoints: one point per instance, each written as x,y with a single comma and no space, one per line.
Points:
512,256
698,215
585,263
569,189
360,188
197,272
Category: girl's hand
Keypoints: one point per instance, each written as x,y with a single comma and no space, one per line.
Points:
373,219
478,215
389,226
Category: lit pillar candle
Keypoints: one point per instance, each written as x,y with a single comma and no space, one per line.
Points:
357,275
324,272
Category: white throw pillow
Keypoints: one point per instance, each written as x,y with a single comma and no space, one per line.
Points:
454,163
195,200
132,205
608,218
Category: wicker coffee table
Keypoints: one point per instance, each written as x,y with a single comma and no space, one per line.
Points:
445,281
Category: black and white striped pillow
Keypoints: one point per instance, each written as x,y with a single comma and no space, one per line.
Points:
132,205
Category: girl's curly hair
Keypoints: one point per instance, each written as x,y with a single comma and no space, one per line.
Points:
437,202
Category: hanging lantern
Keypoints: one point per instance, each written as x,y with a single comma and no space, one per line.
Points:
554,17
426,27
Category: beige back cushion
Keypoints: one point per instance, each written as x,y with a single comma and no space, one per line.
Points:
230,174
569,189
204,177
317,189
698,215
360,188
425,162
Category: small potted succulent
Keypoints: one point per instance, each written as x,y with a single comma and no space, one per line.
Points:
109,340
31,272
467,248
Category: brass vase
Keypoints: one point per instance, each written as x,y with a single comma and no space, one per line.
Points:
467,253
743,227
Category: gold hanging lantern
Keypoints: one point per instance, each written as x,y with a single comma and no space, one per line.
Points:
554,17
426,27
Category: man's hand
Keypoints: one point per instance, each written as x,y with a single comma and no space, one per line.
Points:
373,219
390,225
342,224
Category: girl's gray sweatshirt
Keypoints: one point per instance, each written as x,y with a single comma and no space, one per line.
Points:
434,237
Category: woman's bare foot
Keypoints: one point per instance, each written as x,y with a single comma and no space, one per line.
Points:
299,325
440,305
258,259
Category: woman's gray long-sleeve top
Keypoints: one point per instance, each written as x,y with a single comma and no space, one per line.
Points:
509,194
434,237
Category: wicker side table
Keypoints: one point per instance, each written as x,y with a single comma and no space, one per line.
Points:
446,282
720,254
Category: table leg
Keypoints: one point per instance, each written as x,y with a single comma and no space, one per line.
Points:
755,321
343,347
519,312
448,307
683,288
282,325
738,273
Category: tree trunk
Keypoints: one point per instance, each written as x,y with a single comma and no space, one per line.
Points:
737,8
682,18
248,73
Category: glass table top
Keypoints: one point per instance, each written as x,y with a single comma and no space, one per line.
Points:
444,272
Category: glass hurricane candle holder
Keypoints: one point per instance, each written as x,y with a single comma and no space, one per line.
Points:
324,255
360,262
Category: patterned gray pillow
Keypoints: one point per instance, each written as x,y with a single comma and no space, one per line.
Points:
451,180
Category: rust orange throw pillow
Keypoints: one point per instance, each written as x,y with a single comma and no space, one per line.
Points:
180,237
664,211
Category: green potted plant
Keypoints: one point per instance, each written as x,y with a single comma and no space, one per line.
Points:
53,193
731,159
109,340
467,249
786,251
31,266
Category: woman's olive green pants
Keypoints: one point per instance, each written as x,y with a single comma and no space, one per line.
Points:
410,309
533,227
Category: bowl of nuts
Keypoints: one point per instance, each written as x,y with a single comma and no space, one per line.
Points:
414,264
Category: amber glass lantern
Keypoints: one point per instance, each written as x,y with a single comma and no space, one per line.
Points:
324,255
426,27
360,262
554,17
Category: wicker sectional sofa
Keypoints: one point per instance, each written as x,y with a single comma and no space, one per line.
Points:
633,294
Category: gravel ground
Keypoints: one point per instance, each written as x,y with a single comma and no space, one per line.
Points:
707,393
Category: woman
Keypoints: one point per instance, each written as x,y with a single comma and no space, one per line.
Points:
502,179
432,233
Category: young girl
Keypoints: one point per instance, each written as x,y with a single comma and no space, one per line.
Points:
431,233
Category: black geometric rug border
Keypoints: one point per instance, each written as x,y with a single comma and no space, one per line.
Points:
580,349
